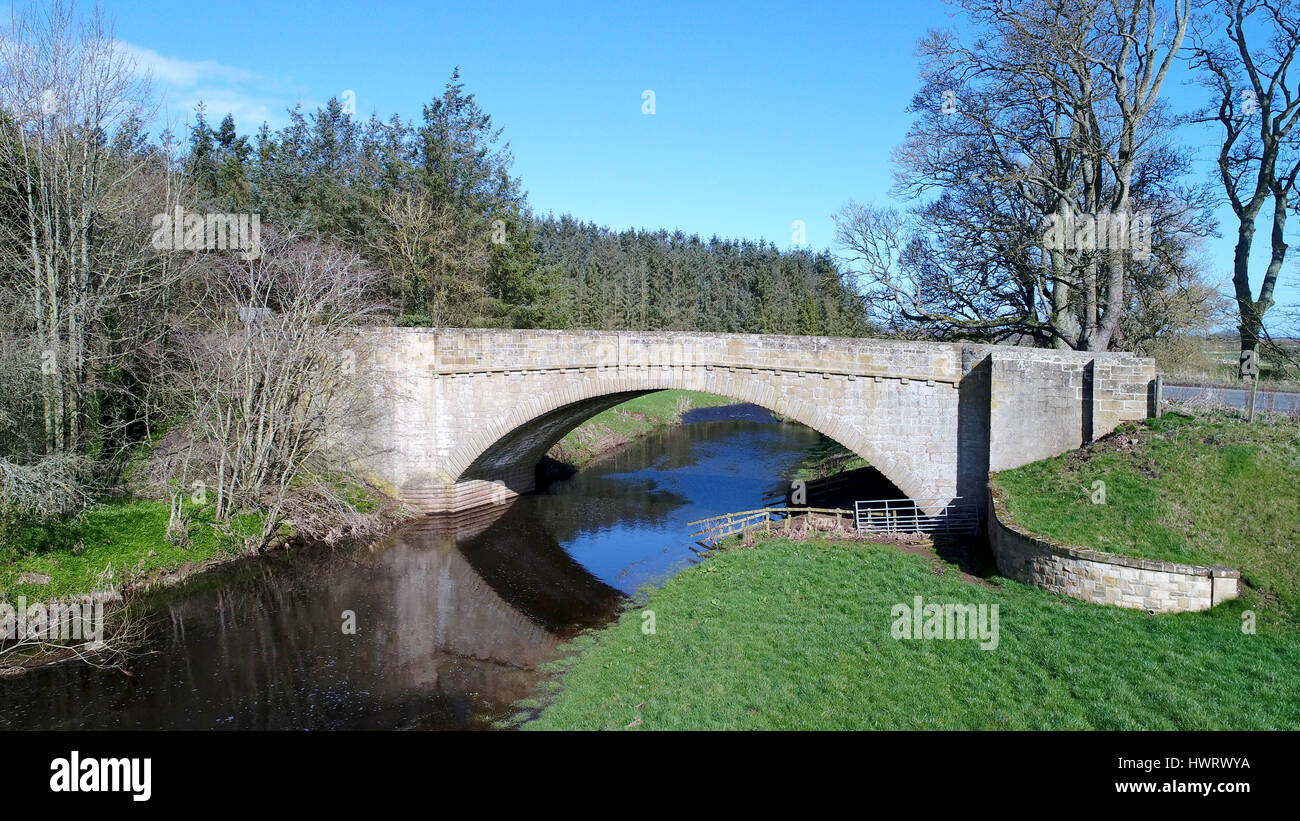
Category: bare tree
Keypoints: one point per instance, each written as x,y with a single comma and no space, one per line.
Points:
65,87
441,251
84,302
1247,66
1053,111
272,378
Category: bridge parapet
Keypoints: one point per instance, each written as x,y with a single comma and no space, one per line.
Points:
488,351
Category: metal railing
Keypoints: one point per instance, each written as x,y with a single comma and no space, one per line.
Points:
909,516
717,528
870,516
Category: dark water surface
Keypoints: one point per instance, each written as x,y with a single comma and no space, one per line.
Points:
453,615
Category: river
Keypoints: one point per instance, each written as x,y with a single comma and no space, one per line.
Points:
453,616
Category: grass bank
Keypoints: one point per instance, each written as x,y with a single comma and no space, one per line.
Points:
828,458
1202,489
798,636
110,545
631,420
120,545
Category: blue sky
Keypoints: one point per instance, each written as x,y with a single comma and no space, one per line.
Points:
765,113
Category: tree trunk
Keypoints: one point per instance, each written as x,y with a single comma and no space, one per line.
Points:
1250,324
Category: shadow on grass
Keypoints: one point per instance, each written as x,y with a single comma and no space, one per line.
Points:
971,553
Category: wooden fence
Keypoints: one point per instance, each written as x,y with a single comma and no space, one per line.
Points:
873,516
768,520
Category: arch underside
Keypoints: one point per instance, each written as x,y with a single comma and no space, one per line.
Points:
509,451
526,444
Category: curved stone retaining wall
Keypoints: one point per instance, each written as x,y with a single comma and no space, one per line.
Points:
1103,578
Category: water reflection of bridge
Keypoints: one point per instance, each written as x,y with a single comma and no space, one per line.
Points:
449,627
465,593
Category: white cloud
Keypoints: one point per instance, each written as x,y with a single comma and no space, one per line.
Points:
182,84
172,71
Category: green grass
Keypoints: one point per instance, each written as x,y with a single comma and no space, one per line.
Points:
630,420
797,636
827,458
1206,489
125,538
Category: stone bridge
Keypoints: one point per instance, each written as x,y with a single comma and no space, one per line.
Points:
462,417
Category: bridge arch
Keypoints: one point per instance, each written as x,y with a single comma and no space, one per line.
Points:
505,451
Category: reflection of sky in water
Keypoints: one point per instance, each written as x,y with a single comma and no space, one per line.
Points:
691,475
733,413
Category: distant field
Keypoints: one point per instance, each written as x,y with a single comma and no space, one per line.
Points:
1216,364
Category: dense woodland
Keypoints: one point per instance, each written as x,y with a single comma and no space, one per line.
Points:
411,195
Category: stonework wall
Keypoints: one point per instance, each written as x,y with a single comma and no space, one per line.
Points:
1103,578
462,416
1045,402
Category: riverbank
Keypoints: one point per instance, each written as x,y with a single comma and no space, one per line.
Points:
113,551
609,430
121,546
801,635
828,459
1204,489
108,545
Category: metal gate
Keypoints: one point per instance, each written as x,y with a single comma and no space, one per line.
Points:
908,516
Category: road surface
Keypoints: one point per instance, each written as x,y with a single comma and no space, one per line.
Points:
1236,398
